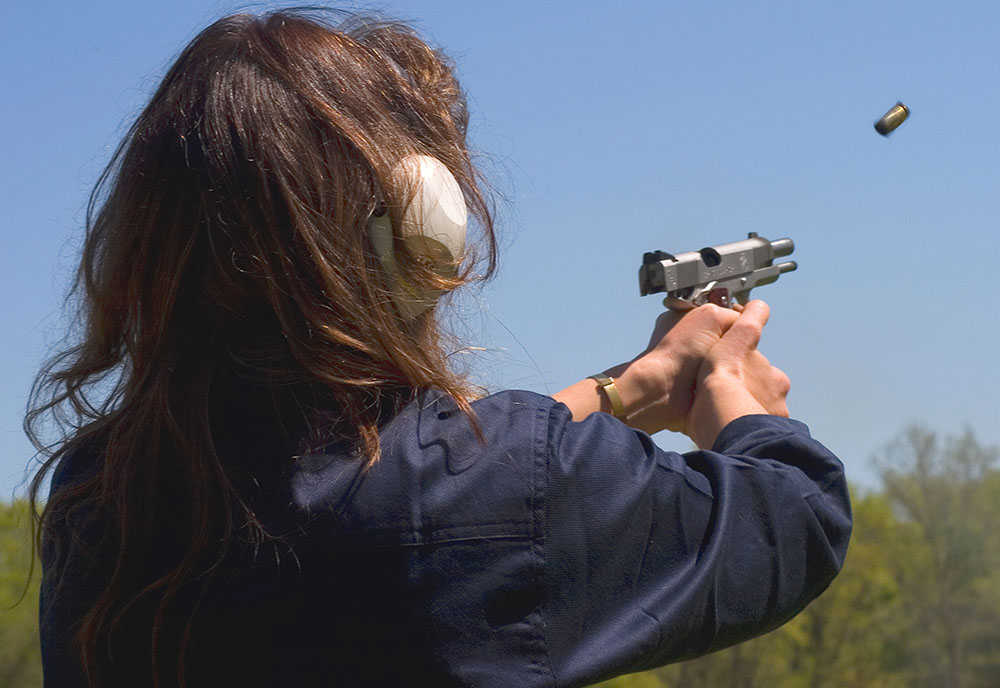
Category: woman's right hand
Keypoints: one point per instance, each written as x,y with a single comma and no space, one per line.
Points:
735,379
656,387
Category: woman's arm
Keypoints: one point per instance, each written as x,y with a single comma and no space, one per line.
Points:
655,557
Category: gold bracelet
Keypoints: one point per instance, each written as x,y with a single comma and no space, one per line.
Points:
607,383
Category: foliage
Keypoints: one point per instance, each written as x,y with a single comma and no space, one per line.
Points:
20,660
941,492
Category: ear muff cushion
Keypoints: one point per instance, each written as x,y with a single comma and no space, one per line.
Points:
437,210
433,228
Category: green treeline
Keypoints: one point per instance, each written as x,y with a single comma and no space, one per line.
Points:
20,656
917,604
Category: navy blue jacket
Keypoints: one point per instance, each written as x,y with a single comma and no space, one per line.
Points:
557,553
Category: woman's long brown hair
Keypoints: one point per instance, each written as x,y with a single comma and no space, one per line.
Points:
229,232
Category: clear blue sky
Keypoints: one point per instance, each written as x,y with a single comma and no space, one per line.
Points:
610,129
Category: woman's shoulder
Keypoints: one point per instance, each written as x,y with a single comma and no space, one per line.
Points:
437,476
502,410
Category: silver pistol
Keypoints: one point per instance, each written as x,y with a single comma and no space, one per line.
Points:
722,274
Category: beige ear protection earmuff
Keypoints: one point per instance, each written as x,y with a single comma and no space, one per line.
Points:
433,229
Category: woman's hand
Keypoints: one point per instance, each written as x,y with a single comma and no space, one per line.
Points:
700,371
657,386
736,380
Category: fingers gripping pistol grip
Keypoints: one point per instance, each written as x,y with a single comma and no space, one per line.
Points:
721,274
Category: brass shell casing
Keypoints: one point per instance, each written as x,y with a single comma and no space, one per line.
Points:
891,120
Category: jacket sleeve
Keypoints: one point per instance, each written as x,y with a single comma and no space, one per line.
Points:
654,557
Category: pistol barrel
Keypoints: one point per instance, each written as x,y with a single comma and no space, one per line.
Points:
782,247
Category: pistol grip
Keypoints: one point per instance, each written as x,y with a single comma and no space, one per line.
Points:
720,297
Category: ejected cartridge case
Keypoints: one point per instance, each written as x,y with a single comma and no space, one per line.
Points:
892,119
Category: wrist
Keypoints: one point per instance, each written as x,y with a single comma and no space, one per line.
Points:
720,398
587,396
648,392
610,391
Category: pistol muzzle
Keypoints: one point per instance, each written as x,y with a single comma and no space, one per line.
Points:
783,247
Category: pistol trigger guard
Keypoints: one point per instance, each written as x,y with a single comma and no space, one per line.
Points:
677,304
699,296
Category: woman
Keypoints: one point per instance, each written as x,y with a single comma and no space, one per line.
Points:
272,477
